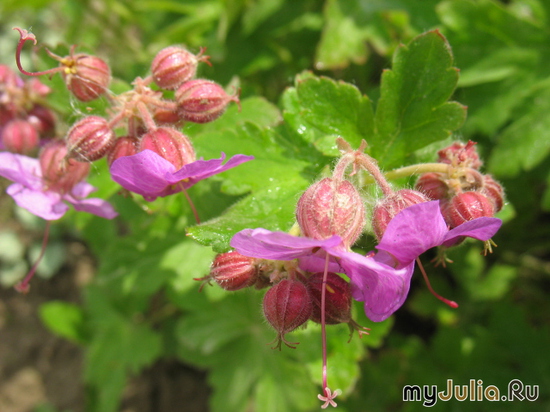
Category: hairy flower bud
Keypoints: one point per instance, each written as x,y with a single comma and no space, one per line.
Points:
202,101
337,298
233,271
467,206
87,77
391,205
60,173
20,136
494,191
331,207
432,185
170,144
174,65
90,139
287,305
460,154
123,146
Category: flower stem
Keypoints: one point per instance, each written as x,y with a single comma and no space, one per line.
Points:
23,286
323,323
192,205
24,35
451,303
418,169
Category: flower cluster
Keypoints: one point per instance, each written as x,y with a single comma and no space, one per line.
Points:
302,272
152,157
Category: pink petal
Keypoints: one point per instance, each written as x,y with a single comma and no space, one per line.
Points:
263,243
143,173
21,169
413,231
199,170
47,205
95,206
383,288
482,228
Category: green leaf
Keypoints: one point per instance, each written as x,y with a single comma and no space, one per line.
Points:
413,110
271,208
342,40
321,109
526,142
256,110
64,319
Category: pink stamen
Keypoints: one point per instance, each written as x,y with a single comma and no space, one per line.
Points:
451,303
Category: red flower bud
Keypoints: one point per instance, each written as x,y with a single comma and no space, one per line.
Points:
123,146
432,185
337,298
202,101
391,205
287,305
59,172
233,271
174,65
87,77
494,191
331,207
467,206
20,136
460,154
90,139
169,144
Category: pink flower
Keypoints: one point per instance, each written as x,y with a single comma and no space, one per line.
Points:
30,191
382,279
152,176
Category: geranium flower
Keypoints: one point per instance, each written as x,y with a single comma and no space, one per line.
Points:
382,279
31,192
152,176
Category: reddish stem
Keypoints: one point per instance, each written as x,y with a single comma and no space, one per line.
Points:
192,205
23,286
24,36
451,303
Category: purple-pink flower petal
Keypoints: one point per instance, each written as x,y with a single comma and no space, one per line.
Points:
263,243
21,169
194,172
143,173
44,204
482,228
30,192
413,231
95,206
383,288
151,176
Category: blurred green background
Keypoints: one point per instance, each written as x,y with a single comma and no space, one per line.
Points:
500,331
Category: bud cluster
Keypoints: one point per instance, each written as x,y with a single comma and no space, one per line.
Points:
148,118
293,297
464,193
24,119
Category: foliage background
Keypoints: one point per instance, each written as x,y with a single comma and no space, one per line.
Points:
143,306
